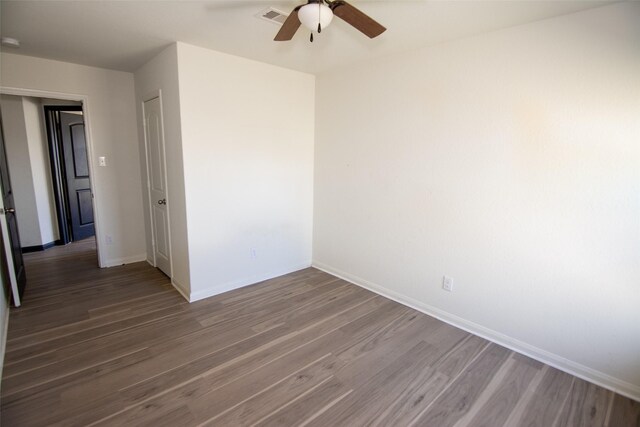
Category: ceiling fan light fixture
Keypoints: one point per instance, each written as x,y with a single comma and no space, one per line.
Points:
315,15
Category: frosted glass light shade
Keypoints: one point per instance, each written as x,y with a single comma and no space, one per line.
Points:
312,13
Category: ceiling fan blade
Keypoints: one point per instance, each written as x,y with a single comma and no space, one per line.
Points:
356,18
289,27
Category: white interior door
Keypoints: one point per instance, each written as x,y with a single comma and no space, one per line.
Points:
157,171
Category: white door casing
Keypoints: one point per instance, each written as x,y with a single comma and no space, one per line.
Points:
157,184
87,113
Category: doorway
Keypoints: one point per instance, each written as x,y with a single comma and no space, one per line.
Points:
70,172
157,183
57,151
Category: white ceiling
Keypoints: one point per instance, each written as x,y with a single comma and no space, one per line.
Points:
123,35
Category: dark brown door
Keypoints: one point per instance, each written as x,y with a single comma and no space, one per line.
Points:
10,214
76,165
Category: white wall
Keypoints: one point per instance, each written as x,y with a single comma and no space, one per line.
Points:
28,157
40,169
509,161
19,160
247,137
111,116
161,73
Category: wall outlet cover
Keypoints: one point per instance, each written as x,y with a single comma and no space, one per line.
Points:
447,283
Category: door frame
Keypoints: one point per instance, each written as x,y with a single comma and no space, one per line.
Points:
148,97
86,110
57,169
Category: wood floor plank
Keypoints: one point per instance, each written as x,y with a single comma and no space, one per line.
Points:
624,412
263,365
548,399
89,353
23,352
100,292
109,389
308,407
275,397
380,337
264,315
448,363
227,386
220,389
278,286
587,405
456,355
501,396
279,341
369,402
17,409
372,354
119,346
458,398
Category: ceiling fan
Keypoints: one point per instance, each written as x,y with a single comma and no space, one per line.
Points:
317,15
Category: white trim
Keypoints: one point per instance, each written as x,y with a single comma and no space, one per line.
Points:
90,151
180,289
114,262
609,382
226,287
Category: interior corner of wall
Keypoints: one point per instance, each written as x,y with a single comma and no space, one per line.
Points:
182,289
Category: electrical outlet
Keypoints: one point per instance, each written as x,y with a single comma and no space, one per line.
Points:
447,283
254,253
108,239
102,161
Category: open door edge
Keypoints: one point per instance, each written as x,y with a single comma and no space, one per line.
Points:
7,250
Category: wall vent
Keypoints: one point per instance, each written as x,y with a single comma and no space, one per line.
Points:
273,15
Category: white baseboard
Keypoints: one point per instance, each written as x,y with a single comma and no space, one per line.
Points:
617,385
226,287
113,262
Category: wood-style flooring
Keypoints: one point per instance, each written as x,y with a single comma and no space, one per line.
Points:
120,346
